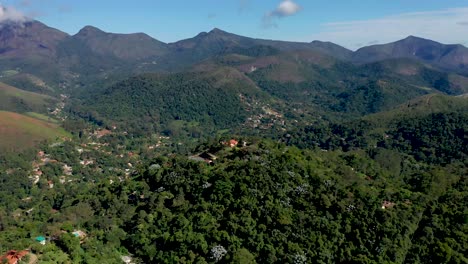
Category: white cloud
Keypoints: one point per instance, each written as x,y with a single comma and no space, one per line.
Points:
447,26
8,13
284,9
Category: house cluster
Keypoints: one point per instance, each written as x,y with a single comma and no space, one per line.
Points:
76,233
101,147
266,120
161,141
95,145
100,133
42,159
60,106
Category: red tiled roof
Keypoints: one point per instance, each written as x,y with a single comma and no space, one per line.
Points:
13,256
233,142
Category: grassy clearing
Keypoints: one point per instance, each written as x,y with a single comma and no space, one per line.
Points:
42,117
9,73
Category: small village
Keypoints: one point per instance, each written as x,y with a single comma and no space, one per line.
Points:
263,117
92,160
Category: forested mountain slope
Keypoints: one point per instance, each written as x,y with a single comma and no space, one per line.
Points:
432,129
153,102
449,57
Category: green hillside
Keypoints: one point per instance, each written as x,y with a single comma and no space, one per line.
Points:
207,100
335,89
19,132
422,106
17,100
27,82
228,91
432,129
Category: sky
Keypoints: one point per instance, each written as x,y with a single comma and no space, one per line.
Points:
350,23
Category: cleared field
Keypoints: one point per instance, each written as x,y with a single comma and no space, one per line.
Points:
18,132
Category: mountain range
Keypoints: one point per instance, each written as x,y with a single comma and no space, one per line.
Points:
28,45
244,78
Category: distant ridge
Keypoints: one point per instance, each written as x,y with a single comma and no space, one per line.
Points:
92,53
450,57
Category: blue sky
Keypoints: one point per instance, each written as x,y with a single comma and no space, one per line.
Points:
351,23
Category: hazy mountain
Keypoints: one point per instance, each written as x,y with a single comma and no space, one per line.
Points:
131,47
30,47
449,57
312,80
218,41
94,55
19,40
421,74
332,49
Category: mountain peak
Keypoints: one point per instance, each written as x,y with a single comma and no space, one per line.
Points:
412,37
89,31
415,38
217,31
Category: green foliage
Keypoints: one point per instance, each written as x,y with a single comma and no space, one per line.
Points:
166,103
338,90
265,202
18,100
429,134
269,199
